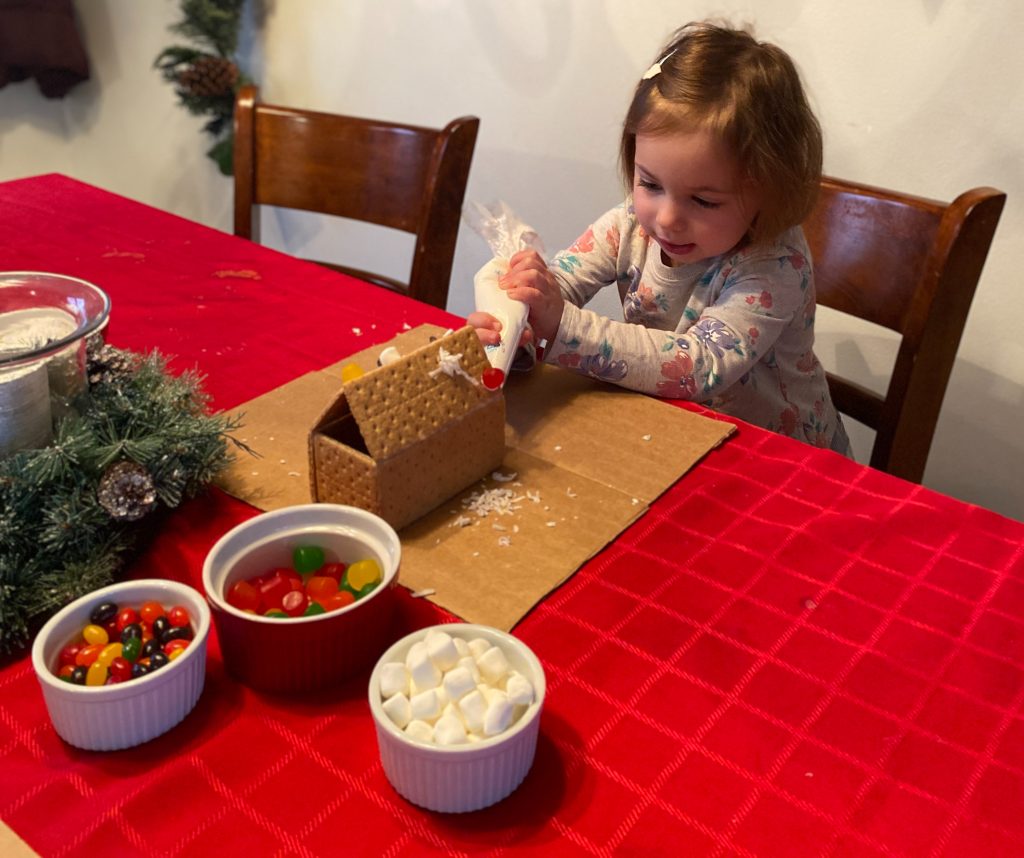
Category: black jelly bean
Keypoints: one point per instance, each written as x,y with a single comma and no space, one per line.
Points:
174,633
78,675
139,670
158,660
132,630
160,626
149,647
103,613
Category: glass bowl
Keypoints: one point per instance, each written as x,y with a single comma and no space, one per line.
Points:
45,322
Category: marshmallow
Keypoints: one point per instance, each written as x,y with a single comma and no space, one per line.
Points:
441,649
493,665
461,647
425,706
498,717
478,646
449,731
394,679
470,664
423,672
398,709
519,689
458,682
421,731
416,653
473,707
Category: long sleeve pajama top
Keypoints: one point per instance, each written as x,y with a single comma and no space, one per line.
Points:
734,333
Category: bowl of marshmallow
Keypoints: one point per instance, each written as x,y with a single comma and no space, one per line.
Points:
457,712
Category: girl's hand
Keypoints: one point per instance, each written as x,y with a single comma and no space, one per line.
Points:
488,329
529,280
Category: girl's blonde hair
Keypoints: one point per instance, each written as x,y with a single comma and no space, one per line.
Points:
749,95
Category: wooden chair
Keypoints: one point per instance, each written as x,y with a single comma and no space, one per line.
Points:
910,265
400,176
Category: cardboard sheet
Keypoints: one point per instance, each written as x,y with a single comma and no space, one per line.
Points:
587,459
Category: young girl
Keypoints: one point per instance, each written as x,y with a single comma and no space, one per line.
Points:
723,157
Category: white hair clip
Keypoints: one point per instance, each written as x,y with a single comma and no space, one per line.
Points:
655,69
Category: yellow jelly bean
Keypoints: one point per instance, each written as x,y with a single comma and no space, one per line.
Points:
97,674
174,653
351,371
361,573
109,653
94,634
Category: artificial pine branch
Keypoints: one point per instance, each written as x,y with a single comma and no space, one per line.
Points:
57,542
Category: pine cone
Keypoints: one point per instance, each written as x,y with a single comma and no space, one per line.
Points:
209,77
106,364
126,491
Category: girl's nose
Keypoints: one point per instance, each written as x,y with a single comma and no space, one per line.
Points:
670,216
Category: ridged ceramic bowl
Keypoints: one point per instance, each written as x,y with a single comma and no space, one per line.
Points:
111,717
460,778
302,653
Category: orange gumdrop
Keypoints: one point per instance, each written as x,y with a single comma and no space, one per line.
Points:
340,599
321,586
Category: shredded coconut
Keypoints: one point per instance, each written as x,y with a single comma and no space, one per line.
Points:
497,501
647,437
504,541
461,521
427,591
570,492
499,477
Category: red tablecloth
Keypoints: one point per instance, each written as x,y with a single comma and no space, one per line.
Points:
789,654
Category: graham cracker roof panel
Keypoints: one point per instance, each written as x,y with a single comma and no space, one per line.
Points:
405,401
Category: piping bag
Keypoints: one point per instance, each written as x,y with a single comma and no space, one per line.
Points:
506,235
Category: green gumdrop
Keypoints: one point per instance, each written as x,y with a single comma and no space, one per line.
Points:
276,615
307,558
365,591
312,609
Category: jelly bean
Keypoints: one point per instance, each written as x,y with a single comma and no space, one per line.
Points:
174,653
65,672
151,610
132,649
333,570
160,625
139,670
97,674
94,634
103,613
173,633
132,630
67,655
120,670
109,653
361,573
314,608
126,617
88,654
151,646
320,587
79,674
176,644
307,558
178,615
157,660
294,603
244,596
276,614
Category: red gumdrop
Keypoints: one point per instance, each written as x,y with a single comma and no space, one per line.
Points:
294,603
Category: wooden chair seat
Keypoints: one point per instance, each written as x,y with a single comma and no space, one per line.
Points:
405,177
911,265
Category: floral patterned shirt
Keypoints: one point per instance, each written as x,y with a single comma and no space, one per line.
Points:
734,333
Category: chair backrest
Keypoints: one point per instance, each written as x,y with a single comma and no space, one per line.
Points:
401,176
910,265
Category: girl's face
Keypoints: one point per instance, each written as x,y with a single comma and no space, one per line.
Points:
689,197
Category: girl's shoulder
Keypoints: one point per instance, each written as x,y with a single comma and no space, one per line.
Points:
790,245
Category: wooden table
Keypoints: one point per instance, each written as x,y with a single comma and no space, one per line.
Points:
789,654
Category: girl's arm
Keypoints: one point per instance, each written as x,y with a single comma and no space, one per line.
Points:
705,356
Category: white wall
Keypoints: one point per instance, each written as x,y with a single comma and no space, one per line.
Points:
922,95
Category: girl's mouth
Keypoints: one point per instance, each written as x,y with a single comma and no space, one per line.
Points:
676,249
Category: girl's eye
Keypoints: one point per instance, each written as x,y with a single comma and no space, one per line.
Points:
648,185
705,204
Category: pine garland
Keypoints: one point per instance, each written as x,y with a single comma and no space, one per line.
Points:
206,78
58,540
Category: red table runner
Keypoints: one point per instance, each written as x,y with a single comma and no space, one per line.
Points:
789,654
